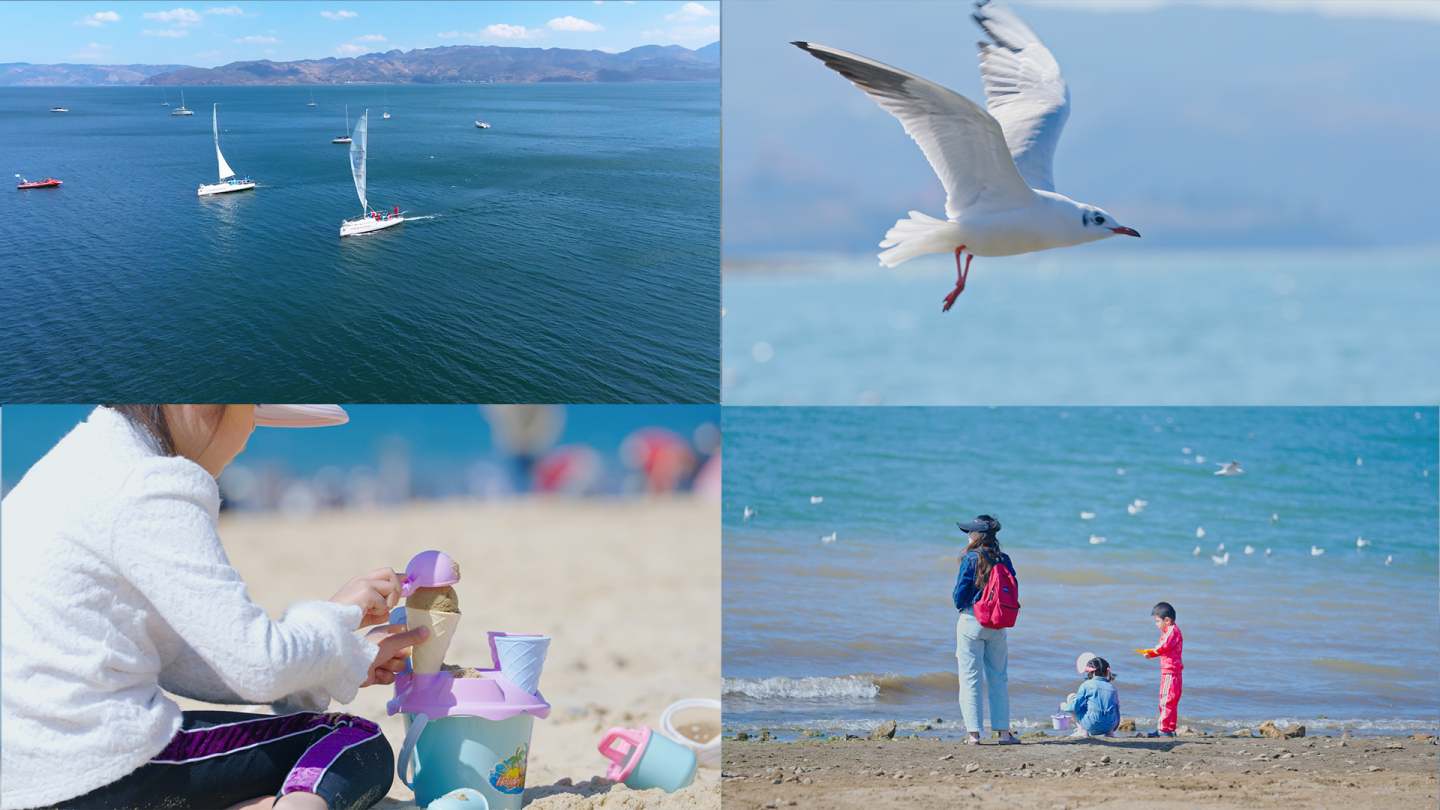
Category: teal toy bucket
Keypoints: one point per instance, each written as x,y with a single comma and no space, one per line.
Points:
643,759
465,733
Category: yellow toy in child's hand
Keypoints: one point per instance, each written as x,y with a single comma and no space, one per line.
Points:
1146,653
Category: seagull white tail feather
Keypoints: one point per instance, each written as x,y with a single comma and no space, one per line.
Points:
917,236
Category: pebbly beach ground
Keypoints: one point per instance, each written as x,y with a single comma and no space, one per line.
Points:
1050,773
628,591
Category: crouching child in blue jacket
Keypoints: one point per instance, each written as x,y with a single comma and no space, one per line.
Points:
1097,703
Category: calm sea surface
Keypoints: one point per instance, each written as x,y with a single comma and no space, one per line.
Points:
841,636
570,253
1087,325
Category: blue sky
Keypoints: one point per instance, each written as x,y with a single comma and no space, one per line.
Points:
210,34
1217,124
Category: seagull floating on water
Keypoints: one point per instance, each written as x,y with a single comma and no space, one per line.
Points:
1249,549
749,512
1361,542
1199,531
1233,468
1267,552
1141,504
1095,541
1221,560
1199,459
1134,510
1274,517
817,499
1316,552
1197,551
1087,515
829,538
1219,548
1388,557
995,166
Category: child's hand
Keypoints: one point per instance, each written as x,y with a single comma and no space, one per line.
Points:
1151,654
375,593
395,643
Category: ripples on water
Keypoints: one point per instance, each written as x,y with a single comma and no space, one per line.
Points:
834,636
571,254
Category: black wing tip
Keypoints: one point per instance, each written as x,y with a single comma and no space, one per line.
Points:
802,45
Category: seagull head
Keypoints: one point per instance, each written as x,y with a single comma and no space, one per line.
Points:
1095,218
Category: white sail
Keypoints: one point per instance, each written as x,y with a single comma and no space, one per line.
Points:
215,121
357,158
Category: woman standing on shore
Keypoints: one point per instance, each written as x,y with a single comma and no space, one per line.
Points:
978,647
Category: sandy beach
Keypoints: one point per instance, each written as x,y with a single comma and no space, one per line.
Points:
629,591
1050,773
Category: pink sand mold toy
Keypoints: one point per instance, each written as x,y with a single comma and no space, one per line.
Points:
643,760
470,731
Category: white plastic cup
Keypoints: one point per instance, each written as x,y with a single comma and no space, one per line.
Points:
688,715
521,659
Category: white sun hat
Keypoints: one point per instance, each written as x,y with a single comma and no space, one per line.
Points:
300,415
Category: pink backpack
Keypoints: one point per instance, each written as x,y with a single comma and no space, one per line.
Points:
999,603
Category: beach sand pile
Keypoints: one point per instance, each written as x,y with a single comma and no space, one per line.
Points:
1115,773
629,591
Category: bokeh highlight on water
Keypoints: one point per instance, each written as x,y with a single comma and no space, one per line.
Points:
568,254
842,635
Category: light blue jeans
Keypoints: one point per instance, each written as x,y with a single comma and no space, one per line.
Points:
978,647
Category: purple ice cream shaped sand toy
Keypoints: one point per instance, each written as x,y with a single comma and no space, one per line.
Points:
471,731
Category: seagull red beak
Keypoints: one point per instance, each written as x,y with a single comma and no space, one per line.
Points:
1126,231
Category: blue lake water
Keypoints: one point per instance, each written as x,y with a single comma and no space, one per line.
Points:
568,254
841,636
1087,325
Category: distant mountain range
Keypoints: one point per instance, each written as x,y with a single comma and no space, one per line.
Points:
452,64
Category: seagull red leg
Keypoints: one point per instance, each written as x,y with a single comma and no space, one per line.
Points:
961,275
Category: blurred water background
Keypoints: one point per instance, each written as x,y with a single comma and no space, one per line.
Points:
840,556
1093,325
388,455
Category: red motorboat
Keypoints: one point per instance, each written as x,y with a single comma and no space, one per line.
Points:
46,183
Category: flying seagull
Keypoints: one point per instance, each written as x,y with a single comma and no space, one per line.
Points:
1233,468
1000,195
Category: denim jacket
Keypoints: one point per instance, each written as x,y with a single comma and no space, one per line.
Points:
1096,706
966,592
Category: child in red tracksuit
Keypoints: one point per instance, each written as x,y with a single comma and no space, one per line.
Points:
1168,651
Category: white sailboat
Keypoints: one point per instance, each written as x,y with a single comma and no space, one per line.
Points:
387,104
233,183
371,220
181,109
312,99
166,102
346,137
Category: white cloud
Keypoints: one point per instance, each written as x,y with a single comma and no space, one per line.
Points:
503,31
338,15
166,32
348,48
98,19
257,40
682,34
229,11
179,16
573,24
1388,9
448,34
369,38
690,12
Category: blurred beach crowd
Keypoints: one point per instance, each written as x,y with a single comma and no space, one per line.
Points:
526,455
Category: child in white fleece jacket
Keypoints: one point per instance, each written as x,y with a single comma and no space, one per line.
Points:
115,585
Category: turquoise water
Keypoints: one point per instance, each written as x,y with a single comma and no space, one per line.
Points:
567,254
1087,325
840,636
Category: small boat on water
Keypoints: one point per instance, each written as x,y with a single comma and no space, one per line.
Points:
166,102
312,99
371,220
46,183
387,104
346,137
181,109
228,180
481,125
58,109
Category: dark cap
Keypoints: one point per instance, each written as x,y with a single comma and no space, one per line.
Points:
983,523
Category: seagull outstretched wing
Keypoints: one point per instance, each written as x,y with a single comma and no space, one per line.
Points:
964,143
1024,91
